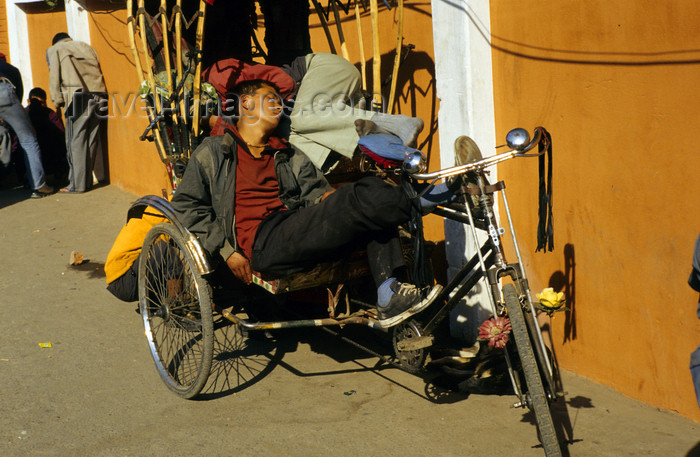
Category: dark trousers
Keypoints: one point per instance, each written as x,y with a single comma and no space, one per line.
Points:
165,263
84,119
126,287
366,212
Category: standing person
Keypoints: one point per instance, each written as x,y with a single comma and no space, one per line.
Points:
50,133
76,82
12,112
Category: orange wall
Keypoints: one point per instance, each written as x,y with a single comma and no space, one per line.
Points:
133,165
615,84
4,39
42,24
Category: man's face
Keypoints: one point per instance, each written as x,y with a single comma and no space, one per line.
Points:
264,106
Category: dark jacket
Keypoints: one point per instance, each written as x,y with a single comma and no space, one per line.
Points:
205,200
12,74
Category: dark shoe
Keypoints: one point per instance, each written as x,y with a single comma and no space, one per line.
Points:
43,191
406,301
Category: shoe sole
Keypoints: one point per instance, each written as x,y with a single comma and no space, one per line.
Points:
415,309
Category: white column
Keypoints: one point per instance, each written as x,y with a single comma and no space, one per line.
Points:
461,38
18,35
77,20
78,27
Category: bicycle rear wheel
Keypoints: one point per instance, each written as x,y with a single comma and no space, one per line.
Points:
175,303
536,398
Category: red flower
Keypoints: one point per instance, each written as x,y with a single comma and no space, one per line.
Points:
495,331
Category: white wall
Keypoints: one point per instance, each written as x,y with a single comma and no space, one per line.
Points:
77,26
461,37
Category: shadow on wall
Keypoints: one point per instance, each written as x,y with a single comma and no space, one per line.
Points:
566,282
409,92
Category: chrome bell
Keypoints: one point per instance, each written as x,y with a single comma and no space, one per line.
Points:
414,162
517,139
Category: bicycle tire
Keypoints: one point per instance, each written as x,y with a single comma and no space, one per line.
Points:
176,307
536,398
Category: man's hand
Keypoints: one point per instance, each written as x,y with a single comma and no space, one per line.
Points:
240,266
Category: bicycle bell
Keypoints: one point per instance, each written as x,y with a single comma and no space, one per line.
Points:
414,162
517,139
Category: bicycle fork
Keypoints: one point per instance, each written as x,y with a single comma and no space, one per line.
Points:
501,268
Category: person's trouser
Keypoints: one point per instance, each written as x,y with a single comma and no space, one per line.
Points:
126,287
5,145
323,118
83,122
365,212
695,372
15,116
165,263
286,30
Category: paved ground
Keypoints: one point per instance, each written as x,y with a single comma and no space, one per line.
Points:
95,391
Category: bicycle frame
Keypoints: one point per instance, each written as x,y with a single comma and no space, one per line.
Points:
489,262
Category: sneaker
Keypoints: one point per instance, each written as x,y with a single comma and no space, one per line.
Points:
43,191
406,301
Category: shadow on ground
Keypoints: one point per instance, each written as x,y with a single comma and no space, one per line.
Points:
9,197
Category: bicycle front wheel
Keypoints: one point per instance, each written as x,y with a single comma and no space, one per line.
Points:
536,398
175,303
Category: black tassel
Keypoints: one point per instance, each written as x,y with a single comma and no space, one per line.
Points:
545,229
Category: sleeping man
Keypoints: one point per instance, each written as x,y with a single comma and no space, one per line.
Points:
258,204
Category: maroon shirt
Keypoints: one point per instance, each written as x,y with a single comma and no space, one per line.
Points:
257,192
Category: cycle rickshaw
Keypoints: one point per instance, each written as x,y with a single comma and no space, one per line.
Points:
180,307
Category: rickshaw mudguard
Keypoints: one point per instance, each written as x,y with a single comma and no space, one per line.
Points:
158,203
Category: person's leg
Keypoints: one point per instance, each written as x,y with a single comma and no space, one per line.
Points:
126,287
12,112
5,145
322,113
286,30
370,210
94,143
79,152
325,112
68,143
695,372
299,239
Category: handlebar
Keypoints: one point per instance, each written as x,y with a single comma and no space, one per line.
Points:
487,162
